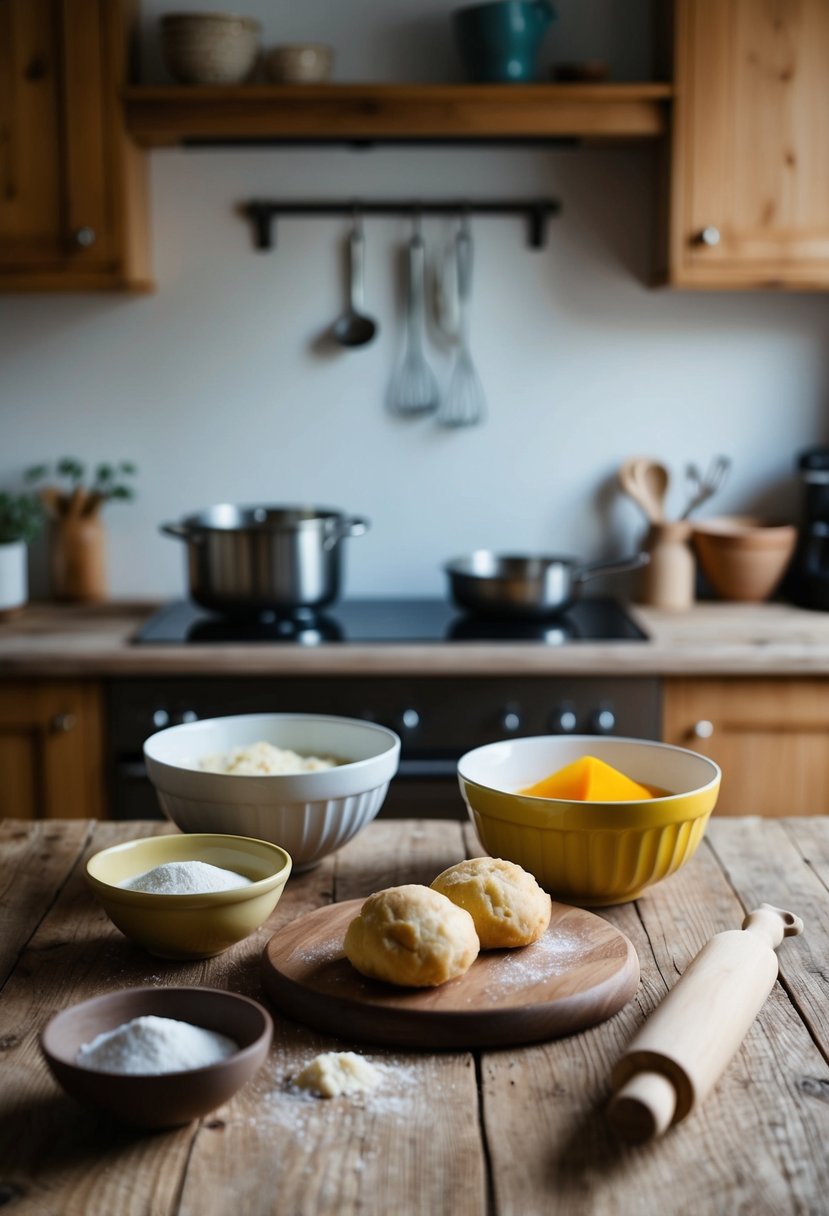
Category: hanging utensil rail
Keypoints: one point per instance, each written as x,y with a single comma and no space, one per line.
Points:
537,211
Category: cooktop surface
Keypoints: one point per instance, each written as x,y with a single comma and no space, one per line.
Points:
389,620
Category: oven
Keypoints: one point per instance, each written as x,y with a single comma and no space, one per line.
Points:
438,718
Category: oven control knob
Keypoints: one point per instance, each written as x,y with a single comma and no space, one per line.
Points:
409,719
603,721
510,719
564,721
188,715
161,718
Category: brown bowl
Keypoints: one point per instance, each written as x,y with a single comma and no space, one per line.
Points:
742,557
172,1098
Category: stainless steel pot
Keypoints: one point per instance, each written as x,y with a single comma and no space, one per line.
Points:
521,586
254,559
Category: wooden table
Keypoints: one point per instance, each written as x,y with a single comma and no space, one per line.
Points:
510,1132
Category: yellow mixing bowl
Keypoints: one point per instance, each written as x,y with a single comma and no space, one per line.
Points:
189,926
589,853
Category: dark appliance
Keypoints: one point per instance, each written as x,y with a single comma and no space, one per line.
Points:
437,716
808,581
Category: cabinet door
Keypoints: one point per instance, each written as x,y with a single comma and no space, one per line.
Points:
51,750
769,737
750,167
72,187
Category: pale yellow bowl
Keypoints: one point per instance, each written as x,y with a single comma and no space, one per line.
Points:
189,926
589,853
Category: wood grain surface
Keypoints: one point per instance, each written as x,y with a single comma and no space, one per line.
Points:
580,972
513,1132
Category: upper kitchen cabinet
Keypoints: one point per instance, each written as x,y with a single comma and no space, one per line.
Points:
750,162
73,189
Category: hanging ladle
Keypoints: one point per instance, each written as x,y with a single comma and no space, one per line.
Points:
353,327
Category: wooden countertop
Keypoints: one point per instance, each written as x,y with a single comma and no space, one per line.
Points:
710,639
450,1134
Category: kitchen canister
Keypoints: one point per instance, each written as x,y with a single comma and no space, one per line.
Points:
669,579
499,41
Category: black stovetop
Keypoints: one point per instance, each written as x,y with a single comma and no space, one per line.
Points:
388,620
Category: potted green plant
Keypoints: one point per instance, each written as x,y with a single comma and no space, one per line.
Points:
20,520
73,500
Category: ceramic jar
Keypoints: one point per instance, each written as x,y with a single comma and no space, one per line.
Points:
14,585
669,579
78,558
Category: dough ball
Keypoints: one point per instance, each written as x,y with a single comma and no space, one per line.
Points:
508,906
412,936
338,1072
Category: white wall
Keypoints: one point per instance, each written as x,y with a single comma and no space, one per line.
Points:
217,387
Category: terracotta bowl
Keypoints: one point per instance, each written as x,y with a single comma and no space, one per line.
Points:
742,557
173,1098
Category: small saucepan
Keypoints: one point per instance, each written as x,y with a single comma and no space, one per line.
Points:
492,584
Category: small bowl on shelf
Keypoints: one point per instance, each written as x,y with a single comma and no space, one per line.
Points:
303,63
189,926
743,558
209,48
311,814
590,853
158,1100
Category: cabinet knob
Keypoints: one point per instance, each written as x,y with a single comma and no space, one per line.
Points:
409,719
709,236
603,721
702,729
510,719
61,724
82,238
563,721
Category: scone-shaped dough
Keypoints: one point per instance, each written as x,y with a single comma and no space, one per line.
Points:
412,936
508,906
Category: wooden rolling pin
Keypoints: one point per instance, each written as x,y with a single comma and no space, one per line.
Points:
682,1050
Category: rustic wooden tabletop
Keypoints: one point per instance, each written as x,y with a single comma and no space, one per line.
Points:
519,1131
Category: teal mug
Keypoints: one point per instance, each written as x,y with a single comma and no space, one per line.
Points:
499,41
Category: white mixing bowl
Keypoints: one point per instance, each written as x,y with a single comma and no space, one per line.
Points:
308,814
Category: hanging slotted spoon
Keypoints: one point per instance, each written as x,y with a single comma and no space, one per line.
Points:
464,403
414,389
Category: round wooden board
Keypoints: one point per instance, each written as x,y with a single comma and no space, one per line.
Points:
580,972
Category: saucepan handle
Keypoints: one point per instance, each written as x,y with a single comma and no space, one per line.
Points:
592,569
181,532
340,528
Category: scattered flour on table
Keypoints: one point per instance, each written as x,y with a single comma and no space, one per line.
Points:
152,1045
185,878
263,759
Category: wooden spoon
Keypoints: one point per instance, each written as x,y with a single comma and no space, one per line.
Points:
646,482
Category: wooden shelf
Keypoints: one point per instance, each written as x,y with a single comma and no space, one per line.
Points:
159,117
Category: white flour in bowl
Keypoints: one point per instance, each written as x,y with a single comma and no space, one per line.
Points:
151,1045
185,878
264,760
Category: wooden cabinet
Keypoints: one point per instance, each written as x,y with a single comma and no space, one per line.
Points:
51,756
769,736
750,157
73,189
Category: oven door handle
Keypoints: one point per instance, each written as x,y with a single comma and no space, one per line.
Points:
423,770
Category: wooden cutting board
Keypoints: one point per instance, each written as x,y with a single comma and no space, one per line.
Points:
580,972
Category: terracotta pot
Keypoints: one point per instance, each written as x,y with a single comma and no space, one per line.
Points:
743,558
78,558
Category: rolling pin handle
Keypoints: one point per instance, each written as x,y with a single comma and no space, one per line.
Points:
644,1107
773,924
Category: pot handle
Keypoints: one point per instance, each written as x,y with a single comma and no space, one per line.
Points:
635,562
341,528
180,532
